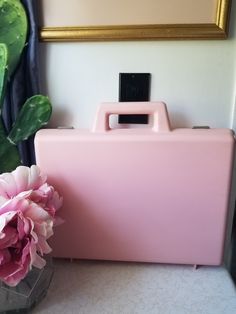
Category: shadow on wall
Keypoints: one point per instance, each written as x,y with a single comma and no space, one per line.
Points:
232,24
61,118
178,120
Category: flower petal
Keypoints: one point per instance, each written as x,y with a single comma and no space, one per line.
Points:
4,220
10,237
14,271
3,200
39,262
36,213
21,175
55,201
36,178
5,256
8,186
42,246
21,179
14,204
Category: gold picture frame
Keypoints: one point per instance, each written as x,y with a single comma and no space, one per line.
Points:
216,30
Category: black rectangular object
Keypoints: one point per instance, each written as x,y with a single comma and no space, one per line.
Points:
134,87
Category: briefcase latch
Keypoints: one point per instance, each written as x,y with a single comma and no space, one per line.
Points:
201,127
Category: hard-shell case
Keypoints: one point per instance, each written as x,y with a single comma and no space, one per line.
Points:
141,194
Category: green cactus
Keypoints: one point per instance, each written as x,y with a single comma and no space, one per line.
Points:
9,155
13,30
35,113
37,110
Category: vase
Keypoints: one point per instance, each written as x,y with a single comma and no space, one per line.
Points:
28,293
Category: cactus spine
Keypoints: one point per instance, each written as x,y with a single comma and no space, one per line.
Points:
37,110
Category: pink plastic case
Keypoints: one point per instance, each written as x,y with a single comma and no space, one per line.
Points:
151,195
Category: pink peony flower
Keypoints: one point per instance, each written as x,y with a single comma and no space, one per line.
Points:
29,183
27,215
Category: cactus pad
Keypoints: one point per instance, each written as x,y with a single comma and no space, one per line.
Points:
13,29
33,115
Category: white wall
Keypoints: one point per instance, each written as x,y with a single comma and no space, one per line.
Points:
197,79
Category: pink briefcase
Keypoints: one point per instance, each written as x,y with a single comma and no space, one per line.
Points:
146,194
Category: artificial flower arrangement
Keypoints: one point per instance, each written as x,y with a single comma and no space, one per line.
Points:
28,208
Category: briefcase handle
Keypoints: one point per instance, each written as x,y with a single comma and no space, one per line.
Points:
156,109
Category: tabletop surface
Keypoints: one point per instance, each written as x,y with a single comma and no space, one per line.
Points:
96,287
